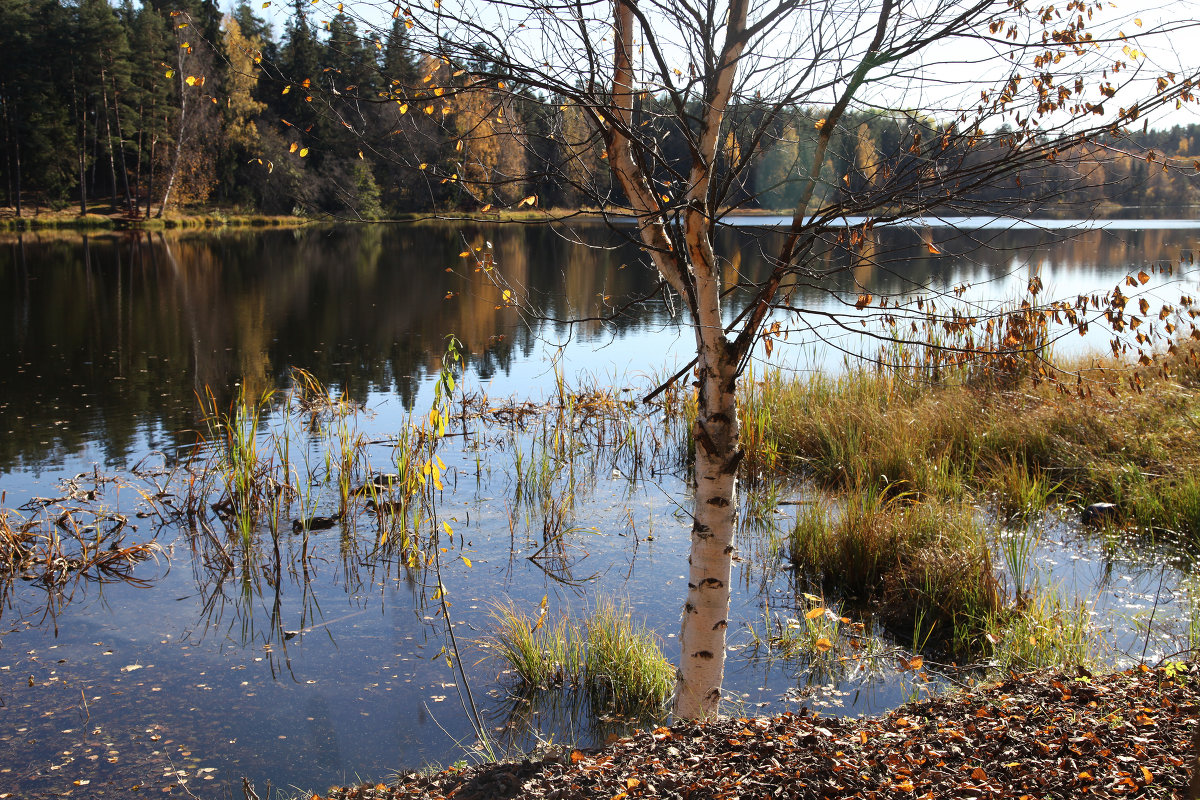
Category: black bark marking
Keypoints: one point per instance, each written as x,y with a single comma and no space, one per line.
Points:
729,549
720,625
691,585
720,502
704,654
709,583
720,417
688,608
698,527
713,696
731,466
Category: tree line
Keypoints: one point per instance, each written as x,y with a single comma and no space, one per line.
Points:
155,106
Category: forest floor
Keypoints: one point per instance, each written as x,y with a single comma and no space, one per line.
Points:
1047,734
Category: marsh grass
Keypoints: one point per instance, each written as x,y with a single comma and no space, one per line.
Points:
1020,447
1049,629
914,561
618,663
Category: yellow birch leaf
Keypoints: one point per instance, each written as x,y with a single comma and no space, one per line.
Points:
466,561
293,148
816,612
303,152
823,644
404,108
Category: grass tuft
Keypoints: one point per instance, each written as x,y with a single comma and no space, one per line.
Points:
618,663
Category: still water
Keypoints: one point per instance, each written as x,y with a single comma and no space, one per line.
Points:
110,343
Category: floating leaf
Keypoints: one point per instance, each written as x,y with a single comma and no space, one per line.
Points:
816,612
823,644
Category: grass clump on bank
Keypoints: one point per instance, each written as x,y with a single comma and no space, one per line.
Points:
618,663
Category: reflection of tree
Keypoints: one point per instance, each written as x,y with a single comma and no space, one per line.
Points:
108,338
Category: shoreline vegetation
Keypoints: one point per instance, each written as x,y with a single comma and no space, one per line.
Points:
107,218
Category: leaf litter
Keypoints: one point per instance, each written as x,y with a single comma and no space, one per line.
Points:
1044,735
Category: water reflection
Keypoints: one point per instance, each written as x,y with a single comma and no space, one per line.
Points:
110,338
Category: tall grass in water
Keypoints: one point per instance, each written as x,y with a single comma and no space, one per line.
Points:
925,561
245,475
1048,630
618,663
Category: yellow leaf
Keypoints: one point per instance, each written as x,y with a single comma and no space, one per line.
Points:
458,146
190,80
429,109
360,155
423,166
823,644
404,108
466,561
441,464
1138,22
303,152
446,527
267,3
170,73
528,201
286,89
506,296
1143,277
339,8
293,148
812,598
486,208
427,78
1148,775
439,91
816,612
464,254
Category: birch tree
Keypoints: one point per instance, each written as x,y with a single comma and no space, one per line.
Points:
980,90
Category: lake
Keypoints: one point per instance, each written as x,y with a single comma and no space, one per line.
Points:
333,670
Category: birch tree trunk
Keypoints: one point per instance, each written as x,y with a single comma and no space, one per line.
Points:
710,559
